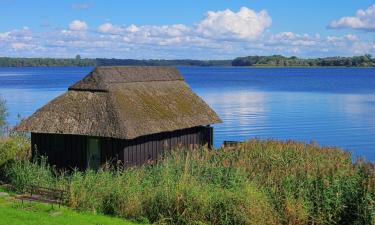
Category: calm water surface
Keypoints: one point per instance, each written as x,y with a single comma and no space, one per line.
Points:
333,107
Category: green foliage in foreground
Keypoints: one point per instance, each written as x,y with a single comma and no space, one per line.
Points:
13,212
258,182
14,147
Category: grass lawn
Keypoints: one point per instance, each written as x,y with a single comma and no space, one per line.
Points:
30,213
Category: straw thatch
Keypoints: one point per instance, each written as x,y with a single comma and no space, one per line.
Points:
123,102
101,78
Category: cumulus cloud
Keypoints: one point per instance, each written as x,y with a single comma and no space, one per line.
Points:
219,35
173,41
110,28
245,24
132,28
289,43
78,25
293,39
363,20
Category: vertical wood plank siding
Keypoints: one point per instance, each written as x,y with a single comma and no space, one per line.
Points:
69,151
61,150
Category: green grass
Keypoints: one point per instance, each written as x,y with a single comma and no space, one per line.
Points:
29,213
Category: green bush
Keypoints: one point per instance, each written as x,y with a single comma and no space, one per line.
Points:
258,182
14,147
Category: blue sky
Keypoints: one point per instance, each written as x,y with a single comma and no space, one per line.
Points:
219,29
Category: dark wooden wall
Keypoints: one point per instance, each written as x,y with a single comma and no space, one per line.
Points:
61,150
70,150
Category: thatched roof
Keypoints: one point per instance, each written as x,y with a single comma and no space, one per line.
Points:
101,78
123,102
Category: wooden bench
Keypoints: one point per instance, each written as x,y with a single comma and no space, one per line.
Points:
231,143
44,194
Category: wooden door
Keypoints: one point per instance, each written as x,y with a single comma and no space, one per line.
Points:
93,153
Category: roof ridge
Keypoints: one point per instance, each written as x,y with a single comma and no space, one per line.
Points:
100,78
140,81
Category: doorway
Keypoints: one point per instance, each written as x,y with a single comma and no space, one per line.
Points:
93,155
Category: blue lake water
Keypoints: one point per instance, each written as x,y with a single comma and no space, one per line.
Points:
331,106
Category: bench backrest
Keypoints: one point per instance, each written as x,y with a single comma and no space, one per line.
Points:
48,192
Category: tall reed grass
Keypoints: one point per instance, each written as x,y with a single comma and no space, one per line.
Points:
257,182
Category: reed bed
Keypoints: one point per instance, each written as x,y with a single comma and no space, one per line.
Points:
257,182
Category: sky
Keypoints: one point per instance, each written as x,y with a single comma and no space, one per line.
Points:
194,29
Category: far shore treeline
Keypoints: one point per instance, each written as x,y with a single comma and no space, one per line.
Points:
250,61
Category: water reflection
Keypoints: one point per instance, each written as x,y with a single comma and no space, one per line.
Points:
357,105
242,111
344,120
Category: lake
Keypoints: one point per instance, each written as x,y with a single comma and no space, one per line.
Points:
331,106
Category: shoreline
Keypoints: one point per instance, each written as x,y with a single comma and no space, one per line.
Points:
251,67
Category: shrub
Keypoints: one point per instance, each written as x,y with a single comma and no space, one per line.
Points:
14,147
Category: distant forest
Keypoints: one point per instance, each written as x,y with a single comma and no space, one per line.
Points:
45,62
282,61
78,61
256,61
162,62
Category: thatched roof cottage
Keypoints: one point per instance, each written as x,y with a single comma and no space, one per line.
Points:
125,113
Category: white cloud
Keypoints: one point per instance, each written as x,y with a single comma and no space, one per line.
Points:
105,28
363,48
145,31
18,45
110,28
4,35
351,37
245,24
347,37
132,28
363,20
176,30
78,25
225,41
292,39
289,43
